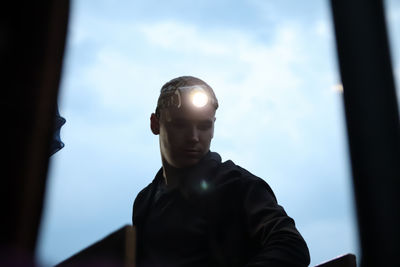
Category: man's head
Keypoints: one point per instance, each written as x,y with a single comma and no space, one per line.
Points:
184,120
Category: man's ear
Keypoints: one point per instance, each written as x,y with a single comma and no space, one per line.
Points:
155,124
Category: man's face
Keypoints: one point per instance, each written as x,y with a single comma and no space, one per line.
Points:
185,134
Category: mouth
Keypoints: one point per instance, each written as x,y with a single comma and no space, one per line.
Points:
192,152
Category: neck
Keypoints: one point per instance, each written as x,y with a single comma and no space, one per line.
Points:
171,174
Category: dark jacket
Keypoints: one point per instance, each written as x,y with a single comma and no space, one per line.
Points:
219,215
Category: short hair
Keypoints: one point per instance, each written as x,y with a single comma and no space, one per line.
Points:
183,81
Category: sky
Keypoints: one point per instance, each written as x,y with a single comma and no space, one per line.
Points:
273,67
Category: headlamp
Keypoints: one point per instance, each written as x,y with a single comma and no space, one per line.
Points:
196,95
199,99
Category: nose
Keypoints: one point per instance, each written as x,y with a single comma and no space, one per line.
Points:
194,134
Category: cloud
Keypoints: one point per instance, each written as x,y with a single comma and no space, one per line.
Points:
265,98
119,81
253,76
181,37
268,83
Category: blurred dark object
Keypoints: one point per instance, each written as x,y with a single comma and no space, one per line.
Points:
372,118
56,143
32,40
116,249
348,260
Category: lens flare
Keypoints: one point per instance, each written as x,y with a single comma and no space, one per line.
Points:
199,99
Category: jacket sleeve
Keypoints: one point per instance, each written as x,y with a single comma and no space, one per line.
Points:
276,239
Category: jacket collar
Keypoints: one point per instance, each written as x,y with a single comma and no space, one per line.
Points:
196,179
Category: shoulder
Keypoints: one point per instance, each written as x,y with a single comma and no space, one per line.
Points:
230,173
141,203
144,193
229,170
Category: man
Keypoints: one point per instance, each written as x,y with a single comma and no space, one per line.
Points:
199,211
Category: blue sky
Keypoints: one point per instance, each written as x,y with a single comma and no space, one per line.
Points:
272,65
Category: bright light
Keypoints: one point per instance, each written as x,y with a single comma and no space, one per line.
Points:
204,185
338,88
199,99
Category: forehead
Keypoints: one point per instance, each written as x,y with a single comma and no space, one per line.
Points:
188,113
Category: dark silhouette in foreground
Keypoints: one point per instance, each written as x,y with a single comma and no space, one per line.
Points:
199,211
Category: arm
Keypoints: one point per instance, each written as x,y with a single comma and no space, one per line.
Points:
277,241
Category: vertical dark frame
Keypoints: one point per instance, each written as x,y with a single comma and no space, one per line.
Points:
372,119
32,41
